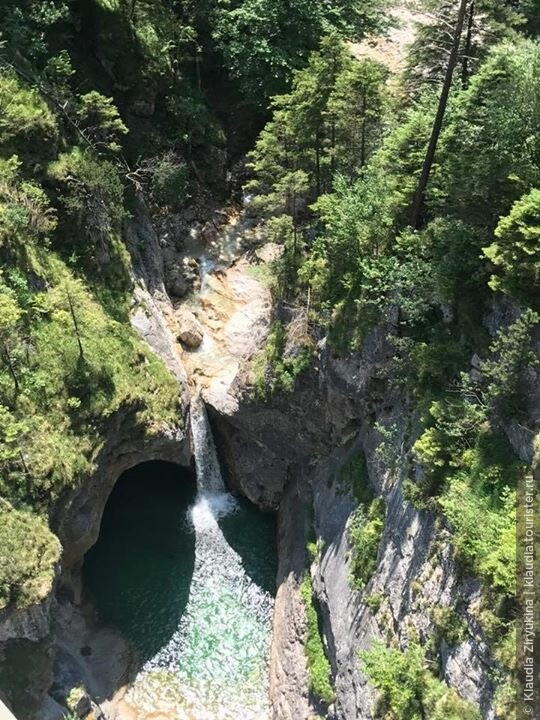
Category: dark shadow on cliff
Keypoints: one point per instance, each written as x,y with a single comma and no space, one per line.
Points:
139,572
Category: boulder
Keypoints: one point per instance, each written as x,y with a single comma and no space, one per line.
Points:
191,332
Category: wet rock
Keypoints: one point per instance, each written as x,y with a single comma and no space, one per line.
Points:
289,681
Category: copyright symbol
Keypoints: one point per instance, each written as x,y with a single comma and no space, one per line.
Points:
527,710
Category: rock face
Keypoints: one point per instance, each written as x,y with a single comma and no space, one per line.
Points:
31,623
310,434
416,573
288,674
126,442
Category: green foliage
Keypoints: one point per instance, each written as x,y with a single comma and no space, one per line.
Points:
449,625
99,121
276,368
63,395
27,125
263,41
399,676
491,21
171,183
353,476
374,601
29,553
491,132
489,548
474,471
319,671
91,196
365,532
65,364
328,123
352,248
512,354
409,691
516,250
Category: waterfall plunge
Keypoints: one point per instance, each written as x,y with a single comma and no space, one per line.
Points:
215,666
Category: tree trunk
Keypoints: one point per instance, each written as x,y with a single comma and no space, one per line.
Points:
295,226
75,324
468,48
363,137
318,162
10,367
419,197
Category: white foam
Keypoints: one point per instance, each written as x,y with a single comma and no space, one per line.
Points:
209,508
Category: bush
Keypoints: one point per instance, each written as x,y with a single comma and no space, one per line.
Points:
409,691
29,553
488,549
450,626
171,183
319,670
92,194
99,121
27,125
365,532
353,476
275,369
516,250
66,390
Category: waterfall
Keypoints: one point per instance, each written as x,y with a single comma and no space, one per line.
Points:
215,666
209,477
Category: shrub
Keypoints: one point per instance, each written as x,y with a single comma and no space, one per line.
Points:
512,353
374,601
92,193
319,670
409,691
99,121
516,250
488,548
450,626
353,476
275,369
171,183
29,553
27,125
365,532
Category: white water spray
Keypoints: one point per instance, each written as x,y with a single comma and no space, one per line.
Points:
209,477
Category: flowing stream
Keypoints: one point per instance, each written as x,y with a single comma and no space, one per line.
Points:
213,665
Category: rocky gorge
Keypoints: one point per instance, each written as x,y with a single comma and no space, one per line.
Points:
269,358
336,412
